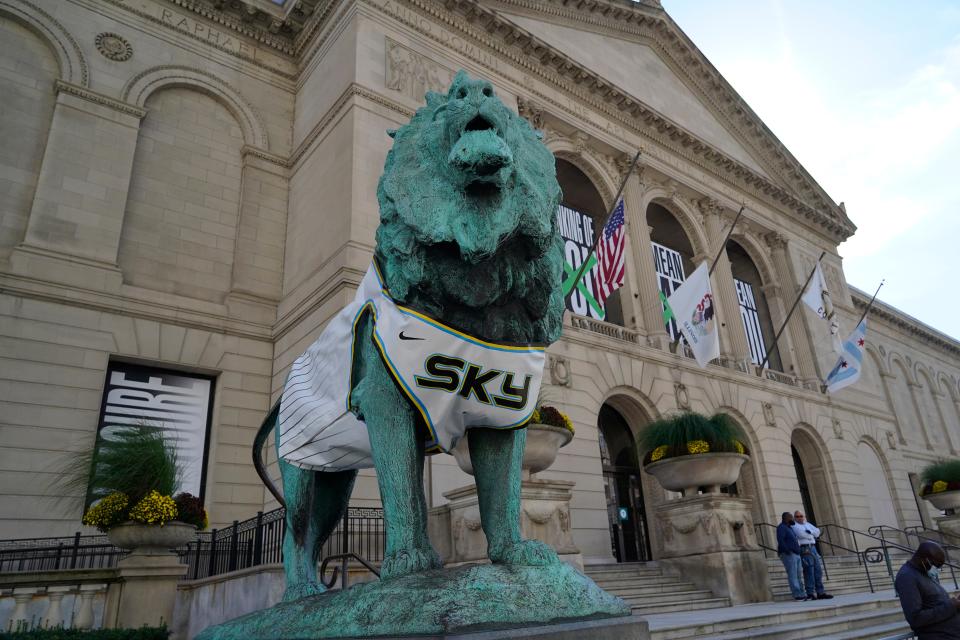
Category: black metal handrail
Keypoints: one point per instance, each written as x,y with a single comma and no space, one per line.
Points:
823,564
342,570
885,545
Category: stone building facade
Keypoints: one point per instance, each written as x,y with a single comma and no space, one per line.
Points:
190,185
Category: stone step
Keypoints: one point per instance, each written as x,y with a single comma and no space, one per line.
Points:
642,589
878,632
679,605
627,582
632,571
651,599
803,614
831,627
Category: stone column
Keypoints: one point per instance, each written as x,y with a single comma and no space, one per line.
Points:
733,343
801,354
647,302
54,615
81,194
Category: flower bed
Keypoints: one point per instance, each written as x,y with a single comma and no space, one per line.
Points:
691,434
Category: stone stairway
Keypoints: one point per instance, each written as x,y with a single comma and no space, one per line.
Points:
853,617
844,575
645,587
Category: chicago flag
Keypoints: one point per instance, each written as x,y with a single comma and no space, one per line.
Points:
848,367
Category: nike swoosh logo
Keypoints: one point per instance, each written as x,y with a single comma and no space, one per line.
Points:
403,337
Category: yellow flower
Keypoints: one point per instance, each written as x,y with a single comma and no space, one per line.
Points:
698,446
535,418
658,453
107,512
939,486
739,446
154,509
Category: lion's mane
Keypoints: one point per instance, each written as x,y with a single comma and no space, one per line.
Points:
487,264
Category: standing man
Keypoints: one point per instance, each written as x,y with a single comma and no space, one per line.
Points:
807,535
930,612
788,548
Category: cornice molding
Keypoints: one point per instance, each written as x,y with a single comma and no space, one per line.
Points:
655,27
98,98
527,53
904,322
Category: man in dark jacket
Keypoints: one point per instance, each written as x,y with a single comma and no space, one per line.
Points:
788,548
930,611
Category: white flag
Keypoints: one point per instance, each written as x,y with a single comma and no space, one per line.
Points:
817,297
694,309
848,367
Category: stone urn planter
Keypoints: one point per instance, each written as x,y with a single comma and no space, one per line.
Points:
543,442
689,473
150,538
948,501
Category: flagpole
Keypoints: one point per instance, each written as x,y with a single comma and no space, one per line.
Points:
616,200
776,338
725,240
870,304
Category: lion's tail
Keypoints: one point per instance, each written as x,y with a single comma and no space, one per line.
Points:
269,423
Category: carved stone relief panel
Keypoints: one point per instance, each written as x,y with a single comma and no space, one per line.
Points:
413,74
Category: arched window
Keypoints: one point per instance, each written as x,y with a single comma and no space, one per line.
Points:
582,213
754,311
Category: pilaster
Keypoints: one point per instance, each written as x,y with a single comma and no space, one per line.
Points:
798,350
733,339
645,301
81,195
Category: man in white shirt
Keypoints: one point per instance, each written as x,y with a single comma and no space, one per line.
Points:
807,535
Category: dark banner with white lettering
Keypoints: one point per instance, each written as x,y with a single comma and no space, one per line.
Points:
179,403
577,231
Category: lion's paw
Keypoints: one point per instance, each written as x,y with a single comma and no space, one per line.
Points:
302,590
532,553
408,561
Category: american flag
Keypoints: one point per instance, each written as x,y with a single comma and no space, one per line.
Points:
610,258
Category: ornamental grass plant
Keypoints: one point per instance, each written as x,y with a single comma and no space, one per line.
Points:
691,433
131,475
940,476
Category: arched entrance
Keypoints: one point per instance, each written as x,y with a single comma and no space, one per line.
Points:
622,483
877,486
812,479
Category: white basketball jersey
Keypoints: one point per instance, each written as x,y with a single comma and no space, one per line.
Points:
453,380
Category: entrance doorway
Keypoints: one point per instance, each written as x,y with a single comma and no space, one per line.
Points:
813,481
629,539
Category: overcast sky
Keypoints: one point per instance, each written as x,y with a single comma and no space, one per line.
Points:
866,95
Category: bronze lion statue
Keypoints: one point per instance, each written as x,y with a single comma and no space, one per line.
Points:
446,333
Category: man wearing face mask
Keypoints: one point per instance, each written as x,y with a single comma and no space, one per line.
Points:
929,610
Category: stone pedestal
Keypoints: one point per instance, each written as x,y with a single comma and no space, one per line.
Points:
710,541
146,591
456,531
949,525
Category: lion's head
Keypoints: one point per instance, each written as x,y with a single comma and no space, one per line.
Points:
468,231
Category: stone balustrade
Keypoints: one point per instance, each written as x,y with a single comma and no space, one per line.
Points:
74,599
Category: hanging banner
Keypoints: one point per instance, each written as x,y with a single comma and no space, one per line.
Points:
179,403
577,231
669,267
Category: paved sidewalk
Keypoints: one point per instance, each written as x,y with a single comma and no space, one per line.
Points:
760,610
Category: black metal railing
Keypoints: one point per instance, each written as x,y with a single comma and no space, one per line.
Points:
57,554
244,544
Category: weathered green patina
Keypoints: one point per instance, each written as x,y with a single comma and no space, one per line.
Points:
468,235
